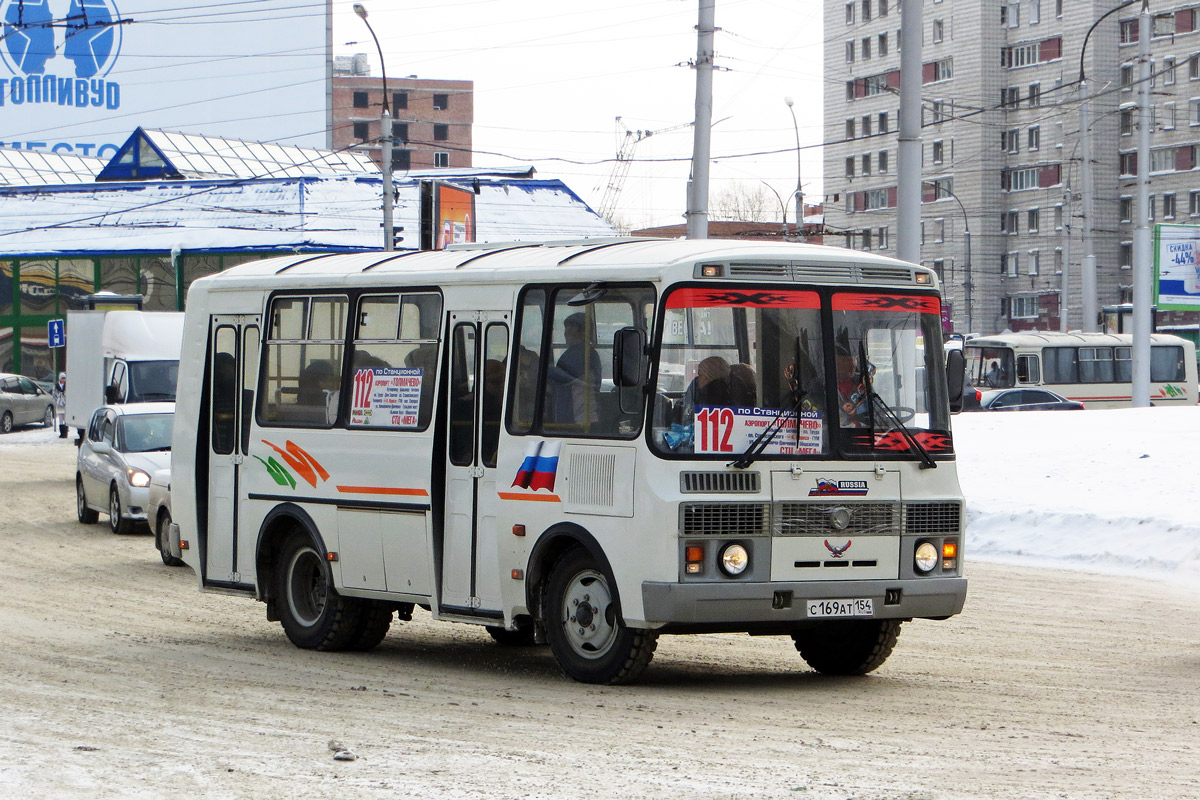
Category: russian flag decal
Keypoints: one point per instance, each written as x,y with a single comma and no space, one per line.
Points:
525,472
539,468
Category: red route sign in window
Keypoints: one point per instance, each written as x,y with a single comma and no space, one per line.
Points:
903,303
696,297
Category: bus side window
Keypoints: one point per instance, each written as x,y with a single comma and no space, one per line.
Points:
1028,370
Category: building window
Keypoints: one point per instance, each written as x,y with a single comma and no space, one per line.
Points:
938,151
1035,11
1035,262
1126,122
883,237
943,70
1194,203
866,48
866,164
1126,255
849,166
361,101
400,131
939,30
1010,140
1033,218
939,111
850,123
882,46
360,131
1163,25
866,125
1021,55
883,162
441,102
1168,206
1058,8
866,238
866,10
1127,31
1058,261
1009,97
1024,307
1035,95
1168,74
1125,208
1168,117
1194,112
1034,137
939,231
850,52
401,159
1014,264
883,122
939,266
1126,77
1058,217
1014,13
399,99
441,133
883,8
850,13
441,159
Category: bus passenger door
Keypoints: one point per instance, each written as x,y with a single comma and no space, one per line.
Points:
469,564
233,373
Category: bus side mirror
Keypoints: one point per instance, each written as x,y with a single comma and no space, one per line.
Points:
956,368
629,363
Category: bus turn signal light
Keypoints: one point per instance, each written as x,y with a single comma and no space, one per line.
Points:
694,555
949,549
331,556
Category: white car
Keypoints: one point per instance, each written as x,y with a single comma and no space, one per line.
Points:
22,401
122,447
158,514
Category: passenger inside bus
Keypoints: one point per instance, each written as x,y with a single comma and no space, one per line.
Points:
573,383
710,387
852,390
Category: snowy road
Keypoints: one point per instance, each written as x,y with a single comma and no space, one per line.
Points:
121,680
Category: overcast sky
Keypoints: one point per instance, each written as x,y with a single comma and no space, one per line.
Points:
551,77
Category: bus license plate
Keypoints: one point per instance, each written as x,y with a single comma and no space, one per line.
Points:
861,607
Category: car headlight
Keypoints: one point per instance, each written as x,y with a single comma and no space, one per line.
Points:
734,559
926,557
137,477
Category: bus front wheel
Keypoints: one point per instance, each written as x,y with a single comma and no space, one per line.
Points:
314,616
584,627
850,647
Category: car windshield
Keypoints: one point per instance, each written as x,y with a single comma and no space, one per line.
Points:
151,381
141,433
735,361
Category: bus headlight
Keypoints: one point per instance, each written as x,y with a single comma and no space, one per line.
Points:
137,477
926,557
734,559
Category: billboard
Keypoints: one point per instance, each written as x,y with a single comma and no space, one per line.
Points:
454,216
77,76
1177,267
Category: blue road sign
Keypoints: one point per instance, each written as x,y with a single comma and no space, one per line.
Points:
55,332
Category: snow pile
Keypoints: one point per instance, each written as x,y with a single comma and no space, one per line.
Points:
1109,491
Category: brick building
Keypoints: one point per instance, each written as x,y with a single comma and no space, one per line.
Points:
431,119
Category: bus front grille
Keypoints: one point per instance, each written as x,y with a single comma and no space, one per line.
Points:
821,519
718,482
724,519
932,518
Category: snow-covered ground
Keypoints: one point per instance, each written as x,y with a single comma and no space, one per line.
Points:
1114,491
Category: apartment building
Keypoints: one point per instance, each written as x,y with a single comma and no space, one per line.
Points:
431,119
1001,145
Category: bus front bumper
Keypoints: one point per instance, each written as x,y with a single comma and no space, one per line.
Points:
748,606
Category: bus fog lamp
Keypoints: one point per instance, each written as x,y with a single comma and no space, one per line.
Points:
734,559
926,557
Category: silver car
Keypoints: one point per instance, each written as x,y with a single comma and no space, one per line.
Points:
22,402
121,449
158,514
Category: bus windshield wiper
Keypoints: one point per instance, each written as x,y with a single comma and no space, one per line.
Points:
764,439
873,398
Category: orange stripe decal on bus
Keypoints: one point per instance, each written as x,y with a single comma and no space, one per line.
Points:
383,490
541,498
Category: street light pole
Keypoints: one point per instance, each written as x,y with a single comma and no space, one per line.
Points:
385,140
968,281
799,189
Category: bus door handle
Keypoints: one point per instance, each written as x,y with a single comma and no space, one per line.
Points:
476,471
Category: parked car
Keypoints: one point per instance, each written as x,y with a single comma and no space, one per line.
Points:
1026,400
23,402
158,514
122,447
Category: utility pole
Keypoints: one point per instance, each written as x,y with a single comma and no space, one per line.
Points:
697,209
908,193
1063,321
385,141
1141,233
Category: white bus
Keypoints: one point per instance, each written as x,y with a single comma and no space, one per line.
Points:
1095,368
585,444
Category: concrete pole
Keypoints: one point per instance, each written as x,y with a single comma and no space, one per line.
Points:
1141,233
969,283
389,196
908,162
1064,323
1087,272
697,213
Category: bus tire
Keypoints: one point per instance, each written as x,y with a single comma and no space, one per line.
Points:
584,627
375,618
522,636
850,647
314,616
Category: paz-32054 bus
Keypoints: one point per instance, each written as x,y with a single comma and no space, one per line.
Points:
587,444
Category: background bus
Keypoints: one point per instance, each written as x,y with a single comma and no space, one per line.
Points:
1095,368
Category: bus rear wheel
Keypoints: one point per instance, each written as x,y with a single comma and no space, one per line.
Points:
584,627
314,616
850,647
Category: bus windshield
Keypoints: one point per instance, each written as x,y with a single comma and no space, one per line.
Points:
736,361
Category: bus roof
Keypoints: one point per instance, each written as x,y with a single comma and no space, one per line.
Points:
1036,339
638,257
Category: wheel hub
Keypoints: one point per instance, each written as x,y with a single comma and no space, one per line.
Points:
588,615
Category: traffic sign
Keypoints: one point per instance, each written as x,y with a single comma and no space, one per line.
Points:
55,333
